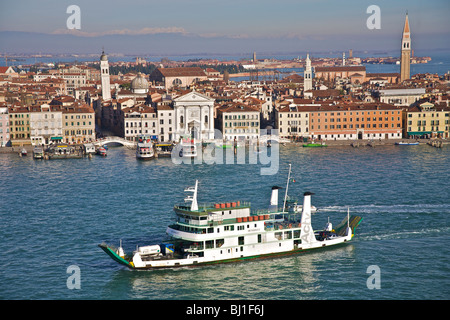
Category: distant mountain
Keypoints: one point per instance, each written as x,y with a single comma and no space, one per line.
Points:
185,43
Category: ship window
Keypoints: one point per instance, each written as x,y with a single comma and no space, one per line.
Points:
259,238
219,243
241,241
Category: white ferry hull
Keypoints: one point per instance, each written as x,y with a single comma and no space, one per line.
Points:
235,255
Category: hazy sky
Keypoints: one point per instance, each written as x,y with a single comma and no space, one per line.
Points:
249,19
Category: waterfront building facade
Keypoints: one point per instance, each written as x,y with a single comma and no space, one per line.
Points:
19,125
78,124
292,121
426,120
239,121
166,122
194,116
4,127
45,124
140,120
355,122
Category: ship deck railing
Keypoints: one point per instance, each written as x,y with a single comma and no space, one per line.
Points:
212,206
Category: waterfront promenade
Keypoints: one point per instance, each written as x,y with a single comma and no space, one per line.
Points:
329,143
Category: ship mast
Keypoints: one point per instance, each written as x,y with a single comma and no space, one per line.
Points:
287,186
193,198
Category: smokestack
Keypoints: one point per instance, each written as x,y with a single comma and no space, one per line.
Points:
307,233
274,198
307,203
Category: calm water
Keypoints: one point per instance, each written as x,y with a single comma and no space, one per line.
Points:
55,213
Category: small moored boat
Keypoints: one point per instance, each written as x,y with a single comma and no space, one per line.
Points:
402,143
101,151
38,153
314,145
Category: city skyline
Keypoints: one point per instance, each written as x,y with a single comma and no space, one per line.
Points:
172,27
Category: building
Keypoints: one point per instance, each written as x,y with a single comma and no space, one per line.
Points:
239,121
19,126
105,78
400,97
331,73
292,121
166,122
4,127
426,120
178,77
194,116
73,81
139,85
405,57
140,120
307,75
78,123
355,121
45,124
8,71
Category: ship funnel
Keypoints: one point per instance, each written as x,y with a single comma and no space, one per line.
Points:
274,198
307,232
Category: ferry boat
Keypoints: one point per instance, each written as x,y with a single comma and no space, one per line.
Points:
229,231
144,149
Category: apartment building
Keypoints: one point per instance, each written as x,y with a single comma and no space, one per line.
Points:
19,125
78,123
239,121
45,124
140,120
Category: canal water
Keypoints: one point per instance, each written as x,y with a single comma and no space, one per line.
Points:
55,213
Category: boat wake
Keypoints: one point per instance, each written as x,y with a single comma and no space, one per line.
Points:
397,208
407,234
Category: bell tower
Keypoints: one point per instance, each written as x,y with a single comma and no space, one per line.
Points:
307,75
104,73
405,57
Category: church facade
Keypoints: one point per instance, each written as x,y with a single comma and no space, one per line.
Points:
194,116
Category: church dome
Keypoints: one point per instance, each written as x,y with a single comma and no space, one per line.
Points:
139,84
103,57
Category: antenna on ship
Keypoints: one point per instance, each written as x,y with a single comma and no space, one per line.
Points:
193,198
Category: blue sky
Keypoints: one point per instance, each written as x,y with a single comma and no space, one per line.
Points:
328,21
